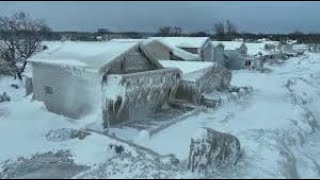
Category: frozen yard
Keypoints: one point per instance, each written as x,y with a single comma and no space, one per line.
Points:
277,125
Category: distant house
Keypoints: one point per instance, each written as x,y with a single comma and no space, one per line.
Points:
218,54
200,46
159,49
236,56
115,78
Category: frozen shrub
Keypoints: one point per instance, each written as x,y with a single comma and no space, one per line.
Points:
211,150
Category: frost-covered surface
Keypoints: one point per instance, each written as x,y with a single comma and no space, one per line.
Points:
277,126
253,48
92,54
184,42
273,124
136,95
186,67
211,151
228,45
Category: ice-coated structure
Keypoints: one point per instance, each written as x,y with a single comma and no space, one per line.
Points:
211,149
118,78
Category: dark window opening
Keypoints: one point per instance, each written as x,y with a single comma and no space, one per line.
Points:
122,65
248,63
48,90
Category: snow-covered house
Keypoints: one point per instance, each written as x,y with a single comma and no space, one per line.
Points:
159,49
116,79
287,48
200,46
236,56
198,78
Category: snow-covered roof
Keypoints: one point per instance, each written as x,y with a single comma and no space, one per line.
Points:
186,66
175,50
228,45
85,54
191,70
255,48
184,42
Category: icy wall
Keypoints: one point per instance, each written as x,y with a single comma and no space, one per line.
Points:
212,79
134,96
66,90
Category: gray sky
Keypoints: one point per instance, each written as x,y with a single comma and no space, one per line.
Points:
274,17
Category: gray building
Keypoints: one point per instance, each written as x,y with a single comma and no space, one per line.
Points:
200,46
115,78
236,56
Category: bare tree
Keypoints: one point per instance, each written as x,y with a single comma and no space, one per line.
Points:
225,31
20,37
219,30
177,31
231,28
165,31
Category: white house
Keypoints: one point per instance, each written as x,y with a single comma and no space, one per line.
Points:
116,79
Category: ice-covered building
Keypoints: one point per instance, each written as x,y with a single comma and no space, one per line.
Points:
117,79
200,46
236,56
159,49
199,78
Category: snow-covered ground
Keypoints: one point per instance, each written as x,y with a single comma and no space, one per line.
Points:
277,125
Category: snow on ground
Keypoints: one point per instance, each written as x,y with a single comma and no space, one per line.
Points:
25,123
277,125
273,128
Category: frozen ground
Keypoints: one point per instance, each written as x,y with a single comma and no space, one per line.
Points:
277,125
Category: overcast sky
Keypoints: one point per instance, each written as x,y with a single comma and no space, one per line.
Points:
273,17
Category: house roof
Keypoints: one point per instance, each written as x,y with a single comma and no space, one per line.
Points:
255,48
228,45
184,42
192,71
186,66
86,54
175,50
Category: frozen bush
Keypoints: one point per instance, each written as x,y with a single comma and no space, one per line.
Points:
211,150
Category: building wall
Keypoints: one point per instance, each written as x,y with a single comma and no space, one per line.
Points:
243,49
74,93
131,62
142,93
207,51
215,78
191,50
218,55
238,62
157,50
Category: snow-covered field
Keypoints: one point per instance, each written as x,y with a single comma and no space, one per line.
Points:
277,125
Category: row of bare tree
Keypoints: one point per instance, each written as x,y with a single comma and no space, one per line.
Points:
223,31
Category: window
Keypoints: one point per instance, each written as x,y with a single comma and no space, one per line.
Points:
248,63
48,90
